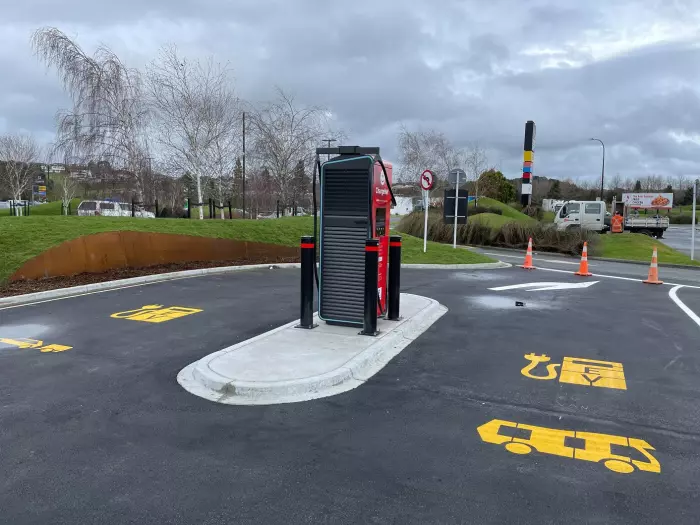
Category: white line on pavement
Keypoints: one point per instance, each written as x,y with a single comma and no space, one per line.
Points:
72,296
541,260
617,277
672,293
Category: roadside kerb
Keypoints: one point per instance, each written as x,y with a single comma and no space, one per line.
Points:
15,300
287,365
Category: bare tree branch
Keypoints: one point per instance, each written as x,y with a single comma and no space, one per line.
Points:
196,112
284,135
109,115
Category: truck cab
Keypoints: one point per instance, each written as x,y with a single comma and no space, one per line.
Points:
589,215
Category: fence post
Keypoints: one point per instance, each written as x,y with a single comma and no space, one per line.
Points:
133,208
211,212
189,208
394,291
369,325
156,208
69,210
26,204
278,209
306,316
230,212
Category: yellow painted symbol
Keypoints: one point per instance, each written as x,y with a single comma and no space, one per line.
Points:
589,372
155,313
596,447
578,371
34,343
534,361
22,342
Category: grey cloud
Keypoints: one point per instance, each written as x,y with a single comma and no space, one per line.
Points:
377,65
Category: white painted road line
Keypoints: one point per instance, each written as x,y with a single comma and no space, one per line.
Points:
672,293
536,260
562,262
618,277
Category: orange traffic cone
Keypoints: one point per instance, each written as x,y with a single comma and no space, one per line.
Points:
528,257
583,268
654,270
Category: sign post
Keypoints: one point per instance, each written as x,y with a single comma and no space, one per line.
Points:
426,183
456,176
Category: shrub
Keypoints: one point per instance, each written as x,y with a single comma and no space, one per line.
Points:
512,235
533,211
681,219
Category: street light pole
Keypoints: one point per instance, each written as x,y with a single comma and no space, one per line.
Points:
602,171
692,234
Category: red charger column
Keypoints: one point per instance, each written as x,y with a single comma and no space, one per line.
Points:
382,273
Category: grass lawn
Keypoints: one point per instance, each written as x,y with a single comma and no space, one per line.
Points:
22,238
492,220
638,247
508,211
548,216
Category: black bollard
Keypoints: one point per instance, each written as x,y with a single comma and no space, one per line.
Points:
394,291
369,325
306,317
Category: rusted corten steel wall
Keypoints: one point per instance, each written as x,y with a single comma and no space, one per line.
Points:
107,251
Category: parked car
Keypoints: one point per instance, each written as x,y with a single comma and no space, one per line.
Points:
111,209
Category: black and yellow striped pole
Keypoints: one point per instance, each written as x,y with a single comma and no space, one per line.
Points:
528,159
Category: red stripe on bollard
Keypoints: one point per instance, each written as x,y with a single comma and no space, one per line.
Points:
307,245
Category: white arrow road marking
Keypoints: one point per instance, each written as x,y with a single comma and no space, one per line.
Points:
538,287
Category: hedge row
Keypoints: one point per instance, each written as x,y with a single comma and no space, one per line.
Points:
512,235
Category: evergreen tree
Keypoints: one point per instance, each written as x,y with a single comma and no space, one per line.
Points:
554,191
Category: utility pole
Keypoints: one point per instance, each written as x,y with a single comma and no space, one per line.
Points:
602,171
243,181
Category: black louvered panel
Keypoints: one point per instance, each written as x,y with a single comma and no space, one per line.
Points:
346,192
343,273
344,230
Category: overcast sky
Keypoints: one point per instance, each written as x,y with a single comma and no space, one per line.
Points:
624,71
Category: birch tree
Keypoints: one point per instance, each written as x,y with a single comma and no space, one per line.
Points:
425,149
285,134
18,152
476,162
109,117
194,109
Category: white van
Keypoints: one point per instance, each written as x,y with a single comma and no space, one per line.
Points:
589,215
110,209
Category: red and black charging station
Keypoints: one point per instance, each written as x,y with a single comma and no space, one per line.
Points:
355,211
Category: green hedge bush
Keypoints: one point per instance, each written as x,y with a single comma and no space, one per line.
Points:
545,237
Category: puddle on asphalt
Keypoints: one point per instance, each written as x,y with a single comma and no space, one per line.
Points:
489,275
499,302
23,331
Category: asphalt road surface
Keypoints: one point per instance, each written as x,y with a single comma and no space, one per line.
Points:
679,238
461,427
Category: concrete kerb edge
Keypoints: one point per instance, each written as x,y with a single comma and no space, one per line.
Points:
199,379
14,300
